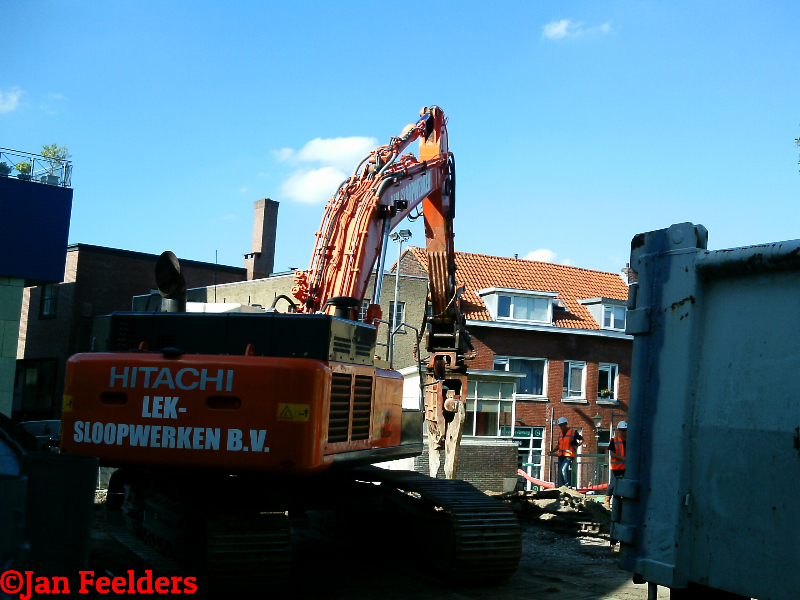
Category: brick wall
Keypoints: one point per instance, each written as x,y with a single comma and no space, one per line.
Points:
97,281
409,265
413,291
556,348
489,465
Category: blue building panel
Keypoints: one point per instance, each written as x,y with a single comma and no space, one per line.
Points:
34,227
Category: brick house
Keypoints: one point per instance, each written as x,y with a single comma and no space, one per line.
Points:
56,319
550,343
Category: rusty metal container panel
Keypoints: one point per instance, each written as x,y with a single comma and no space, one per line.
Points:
713,461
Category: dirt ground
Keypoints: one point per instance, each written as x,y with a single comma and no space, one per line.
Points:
554,566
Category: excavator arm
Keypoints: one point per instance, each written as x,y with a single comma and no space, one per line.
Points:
386,187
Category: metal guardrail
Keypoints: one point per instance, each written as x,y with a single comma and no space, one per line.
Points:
40,169
589,471
390,334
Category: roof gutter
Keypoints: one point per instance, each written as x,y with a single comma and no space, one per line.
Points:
549,329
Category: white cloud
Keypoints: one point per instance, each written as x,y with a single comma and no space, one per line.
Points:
9,100
337,158
312,185
282,154
545,255
555,30
243,190
566,28
342,153
53,96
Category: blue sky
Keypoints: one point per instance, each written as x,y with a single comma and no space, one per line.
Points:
575,125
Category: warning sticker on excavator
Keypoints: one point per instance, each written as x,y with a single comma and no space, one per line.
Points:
293,412
67,404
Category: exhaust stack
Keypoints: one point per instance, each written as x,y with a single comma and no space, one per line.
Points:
170,282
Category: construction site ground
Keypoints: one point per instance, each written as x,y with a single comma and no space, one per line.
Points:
555,565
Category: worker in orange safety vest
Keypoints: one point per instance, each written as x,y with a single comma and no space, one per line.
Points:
568,442
616,451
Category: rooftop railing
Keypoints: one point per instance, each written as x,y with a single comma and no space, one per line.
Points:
35,167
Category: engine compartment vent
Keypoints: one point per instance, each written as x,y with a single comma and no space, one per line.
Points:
362,407
339,416
351,407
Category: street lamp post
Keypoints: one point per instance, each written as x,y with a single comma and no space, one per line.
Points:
598,420
399,236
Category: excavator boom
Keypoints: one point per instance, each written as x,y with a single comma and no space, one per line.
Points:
384,189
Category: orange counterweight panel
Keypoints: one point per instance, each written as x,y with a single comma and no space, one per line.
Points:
236,413
232,413
375,401
388,412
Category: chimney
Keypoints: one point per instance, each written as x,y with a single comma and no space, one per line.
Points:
261,260
629,274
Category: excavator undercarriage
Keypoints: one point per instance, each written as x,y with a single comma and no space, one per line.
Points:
235,532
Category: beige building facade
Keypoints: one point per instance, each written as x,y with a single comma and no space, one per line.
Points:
266,292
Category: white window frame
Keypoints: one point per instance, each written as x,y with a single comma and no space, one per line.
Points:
506,361
611,307
547,320
575,364
491,298
48,306
392,316
530,451
475,399
608,367
362,312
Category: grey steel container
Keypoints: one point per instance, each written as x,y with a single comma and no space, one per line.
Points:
713,457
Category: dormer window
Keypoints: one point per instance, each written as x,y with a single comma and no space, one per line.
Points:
608,312
524,306
614,317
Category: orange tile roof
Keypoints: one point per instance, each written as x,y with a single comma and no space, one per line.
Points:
479,271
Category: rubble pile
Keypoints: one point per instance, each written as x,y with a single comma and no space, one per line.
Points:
562,509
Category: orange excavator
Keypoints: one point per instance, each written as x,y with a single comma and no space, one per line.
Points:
221,424
386,187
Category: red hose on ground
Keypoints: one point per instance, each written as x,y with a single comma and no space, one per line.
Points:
548,485
539,482
602,486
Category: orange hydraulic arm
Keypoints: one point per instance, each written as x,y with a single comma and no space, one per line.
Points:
384,189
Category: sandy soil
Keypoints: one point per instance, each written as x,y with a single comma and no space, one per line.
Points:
554,566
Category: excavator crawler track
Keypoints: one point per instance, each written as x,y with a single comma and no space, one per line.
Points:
485,538
224,549
471,536
247,551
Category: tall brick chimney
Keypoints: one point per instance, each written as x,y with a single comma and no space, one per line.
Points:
261,260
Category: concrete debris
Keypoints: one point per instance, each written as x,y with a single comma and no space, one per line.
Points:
563,509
